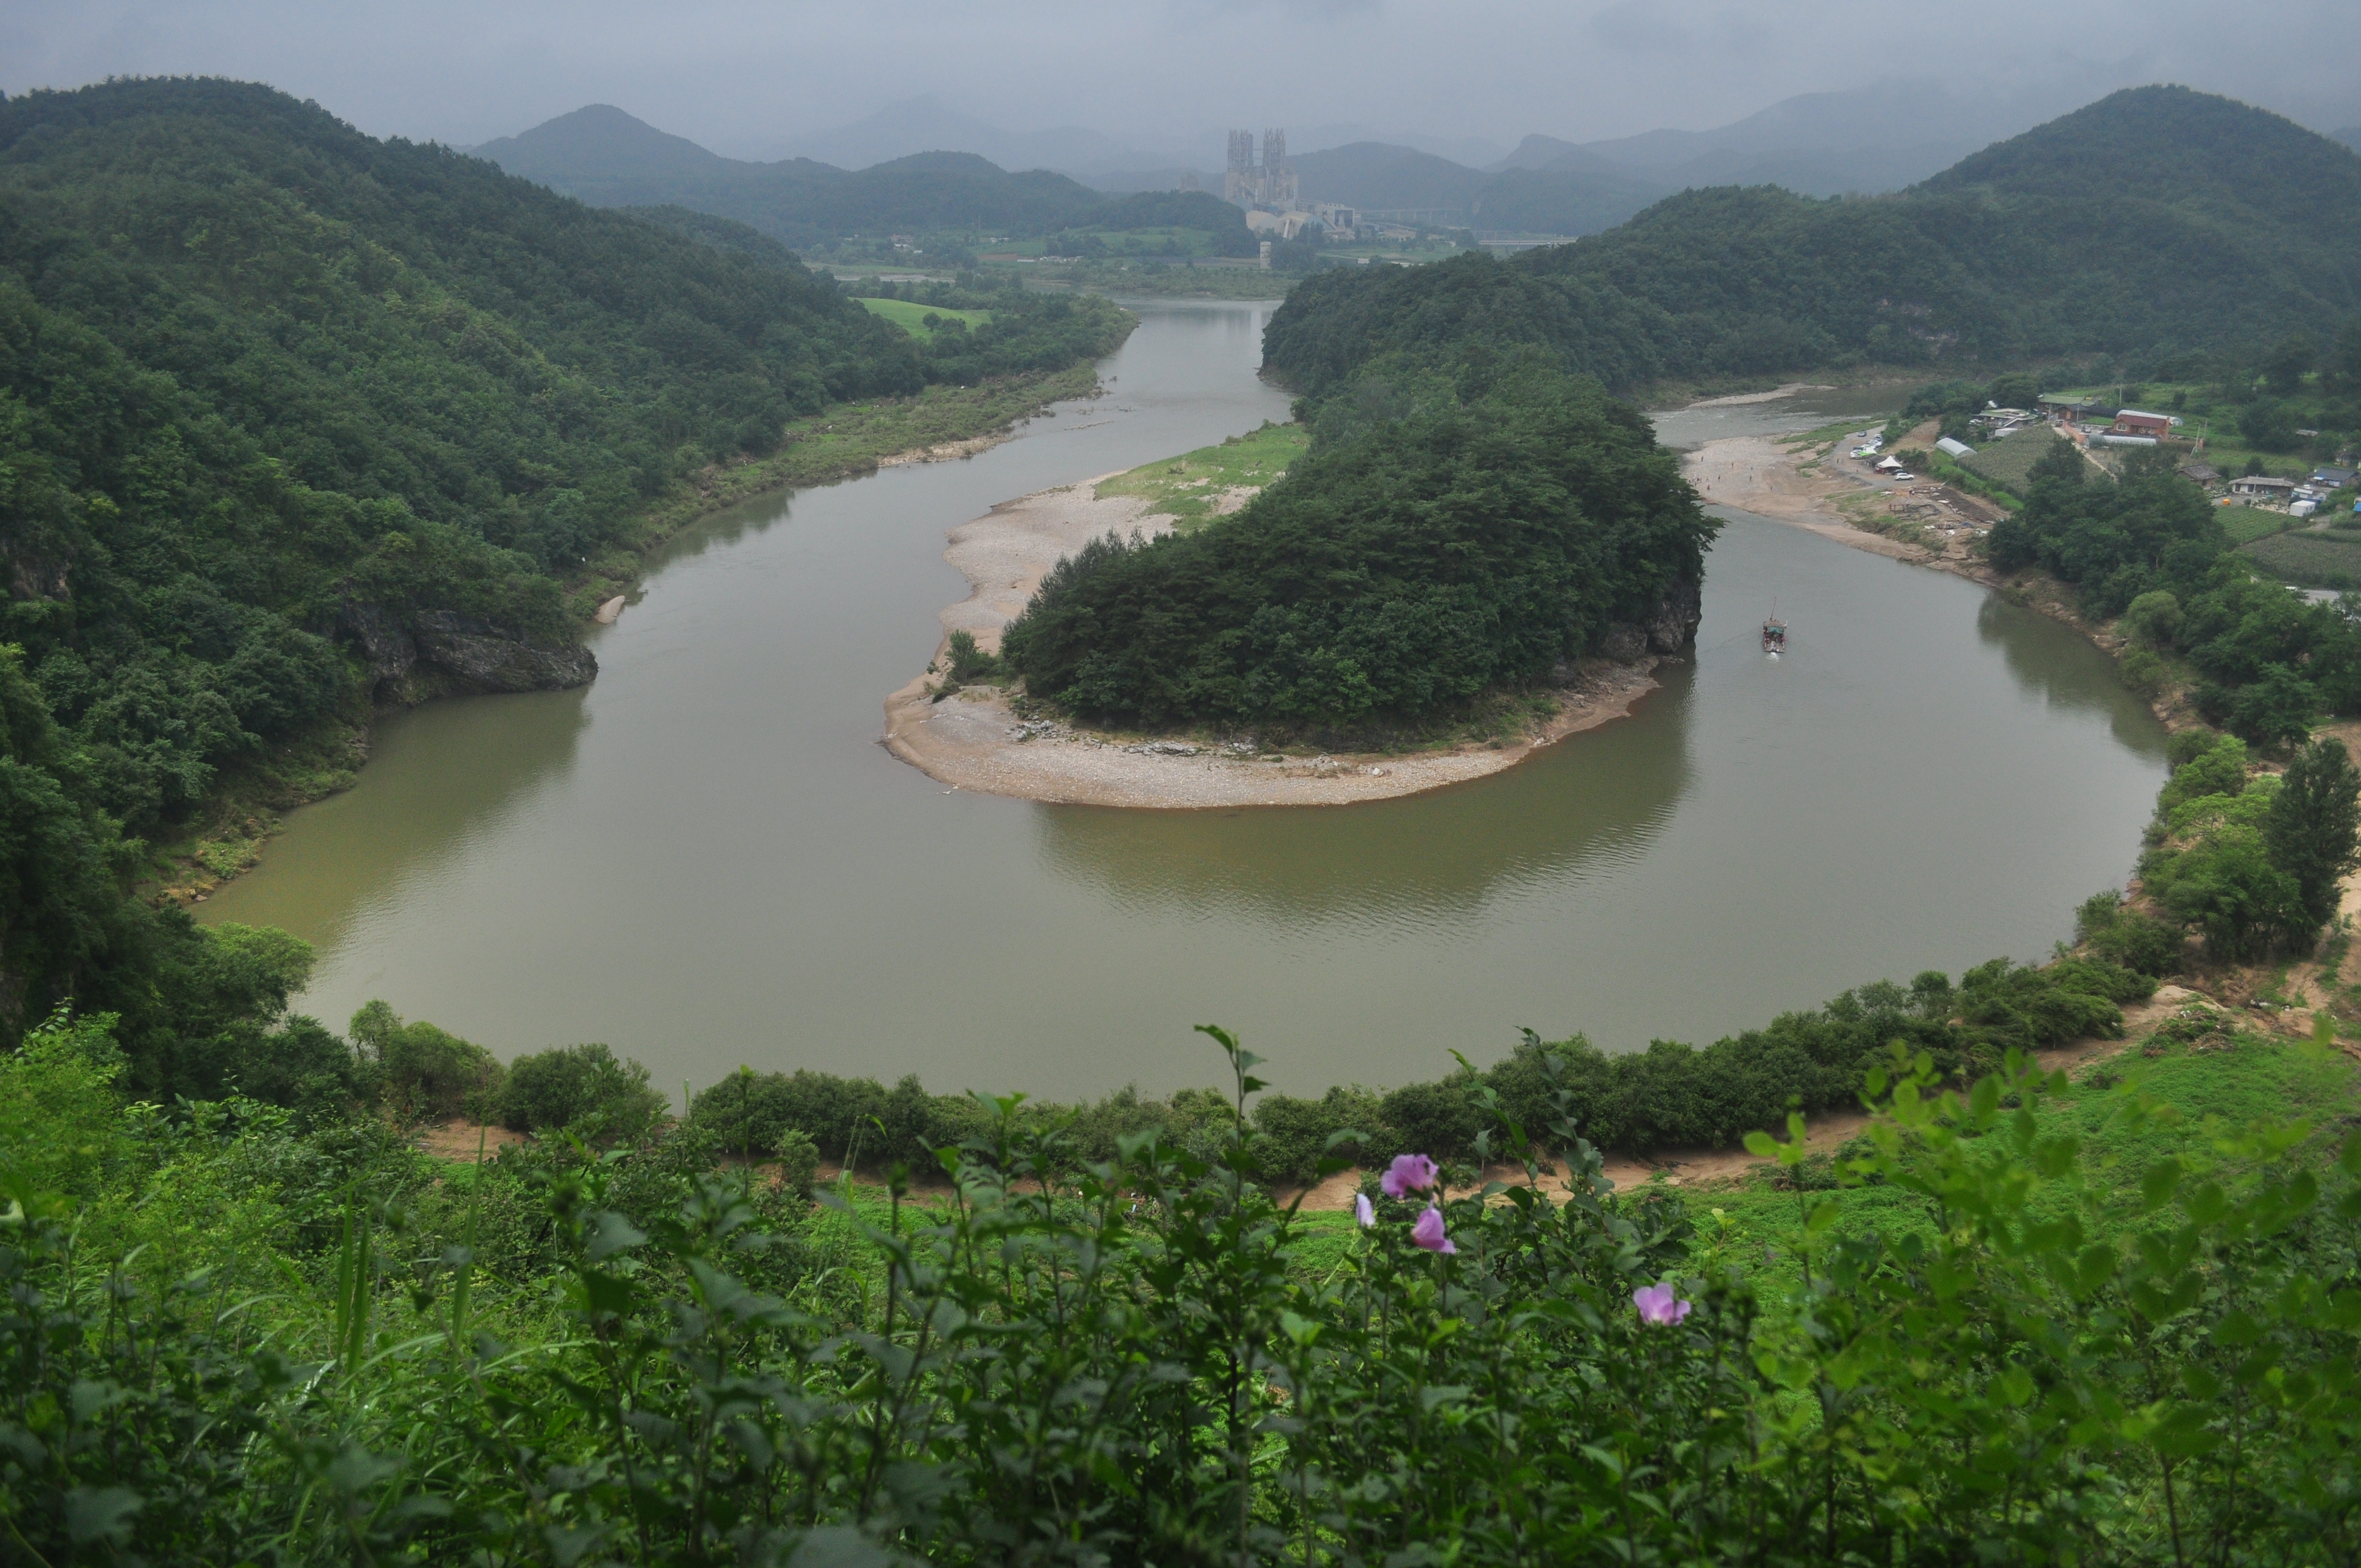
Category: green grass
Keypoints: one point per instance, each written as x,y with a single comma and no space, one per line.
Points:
1188,488
912,319
2246,1078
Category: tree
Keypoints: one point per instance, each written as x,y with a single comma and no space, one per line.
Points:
2153,619
581,1086
2285,366
2347,364
2314,830
2276,710
2227,885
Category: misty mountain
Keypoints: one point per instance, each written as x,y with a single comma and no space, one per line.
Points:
1377,177
608,158
2156,221
2350,136
1868,140
927,125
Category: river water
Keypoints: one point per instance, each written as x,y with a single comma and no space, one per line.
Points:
705,858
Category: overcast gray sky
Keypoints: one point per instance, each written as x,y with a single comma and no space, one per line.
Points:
746,79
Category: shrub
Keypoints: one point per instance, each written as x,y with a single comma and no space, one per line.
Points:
799,1162
1291,1134
424,1074
2219,768
964,662
2153,619
2124,936
581,1087
2140,671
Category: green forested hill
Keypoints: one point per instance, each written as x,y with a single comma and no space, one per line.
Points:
289,415
268,385
2157,220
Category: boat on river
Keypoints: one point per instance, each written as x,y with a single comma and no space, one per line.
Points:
1774,637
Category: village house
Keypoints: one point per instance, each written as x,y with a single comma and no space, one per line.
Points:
2136,421
2262,486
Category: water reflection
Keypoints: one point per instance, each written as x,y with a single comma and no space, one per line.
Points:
2034,649
443,783
1588,805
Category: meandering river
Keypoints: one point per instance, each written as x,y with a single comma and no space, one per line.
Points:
707,860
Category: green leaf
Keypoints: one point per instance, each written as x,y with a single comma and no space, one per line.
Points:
100,1513
611,1234
2156,1185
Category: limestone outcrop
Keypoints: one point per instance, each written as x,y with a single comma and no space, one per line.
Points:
432,652
1666,629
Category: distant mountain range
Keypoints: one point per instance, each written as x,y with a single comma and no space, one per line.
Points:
2153,223
919,165
609,159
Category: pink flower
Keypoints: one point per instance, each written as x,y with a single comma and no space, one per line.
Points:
1658,1304
1408,1173
1428,1233
1364,1211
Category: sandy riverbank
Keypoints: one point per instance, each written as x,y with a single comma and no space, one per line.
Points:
973,741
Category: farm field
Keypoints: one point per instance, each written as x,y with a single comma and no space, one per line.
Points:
2309,560
2008,461
912,318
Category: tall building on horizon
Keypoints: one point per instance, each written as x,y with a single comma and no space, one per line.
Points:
1267,184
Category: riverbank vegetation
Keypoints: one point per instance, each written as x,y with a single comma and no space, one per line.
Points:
270,391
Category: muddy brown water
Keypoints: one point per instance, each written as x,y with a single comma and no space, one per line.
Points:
707,860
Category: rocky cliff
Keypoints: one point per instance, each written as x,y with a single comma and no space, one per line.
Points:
1667,629
433,653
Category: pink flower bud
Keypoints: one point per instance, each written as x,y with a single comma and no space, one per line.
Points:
1428,1233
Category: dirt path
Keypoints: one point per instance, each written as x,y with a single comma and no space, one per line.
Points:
973,740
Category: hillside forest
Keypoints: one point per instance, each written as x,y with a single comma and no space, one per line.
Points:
280,403
2156,222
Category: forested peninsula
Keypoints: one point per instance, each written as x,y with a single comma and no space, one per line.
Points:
293,421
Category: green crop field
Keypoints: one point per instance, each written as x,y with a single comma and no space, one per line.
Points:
912,319
2008,461
2246,524
1190,488
2308,560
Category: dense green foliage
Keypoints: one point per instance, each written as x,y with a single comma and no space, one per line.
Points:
2257,865
1394,571
2156,220
257,369
2267,661
230,1338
